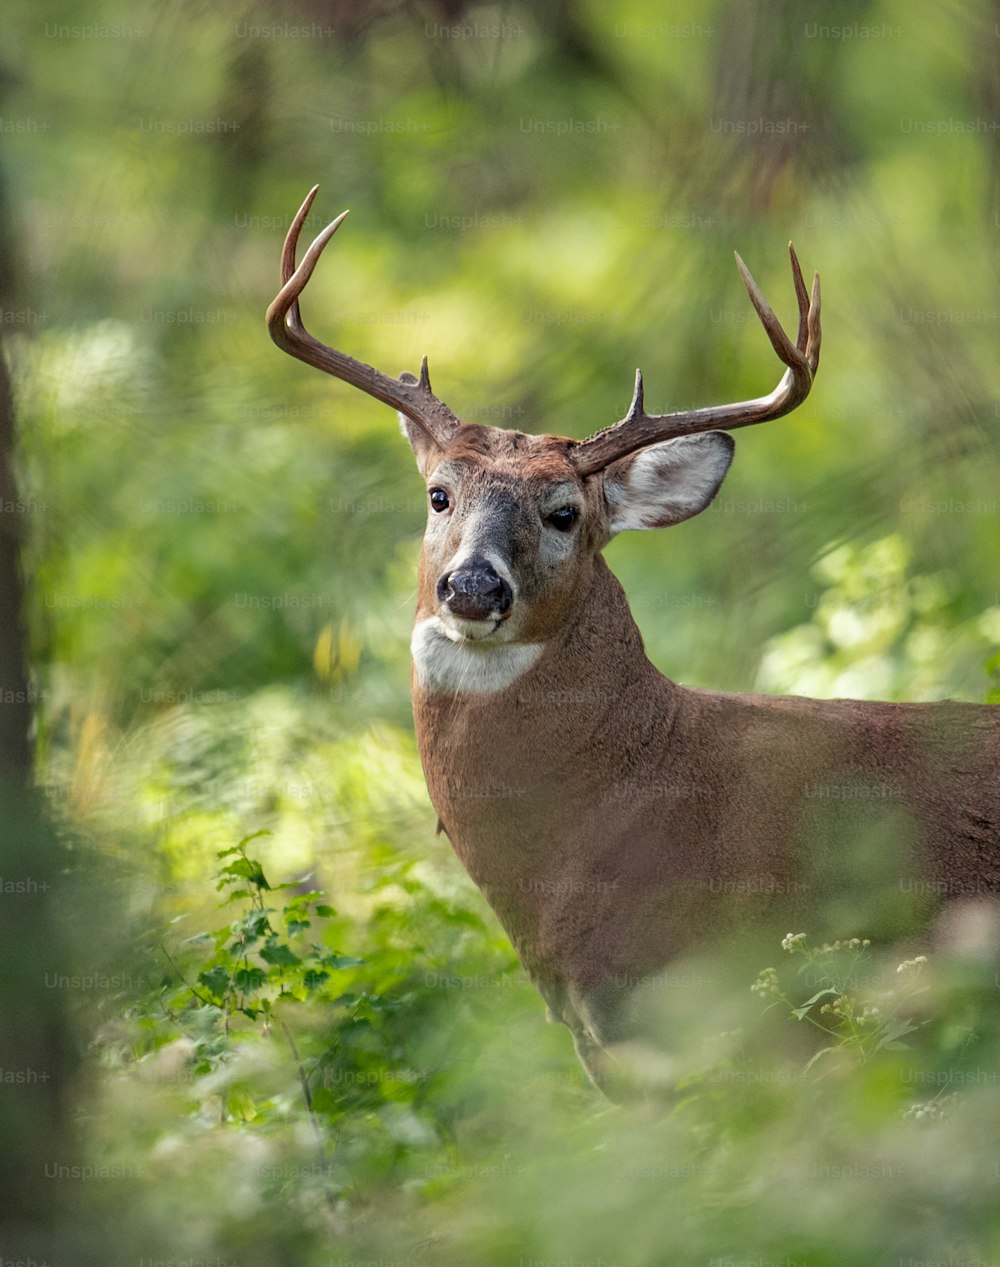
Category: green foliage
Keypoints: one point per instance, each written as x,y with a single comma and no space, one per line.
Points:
385,1061
266,1022
877,631
222,557
860,1028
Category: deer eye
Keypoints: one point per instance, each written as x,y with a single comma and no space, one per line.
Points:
439,500
564,518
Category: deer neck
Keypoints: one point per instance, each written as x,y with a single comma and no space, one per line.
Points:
509,770
560,696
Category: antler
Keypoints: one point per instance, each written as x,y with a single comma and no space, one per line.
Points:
639,429
410,395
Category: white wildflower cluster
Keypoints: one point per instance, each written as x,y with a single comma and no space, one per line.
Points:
911,965
793,941
848,943
930,1110
766,984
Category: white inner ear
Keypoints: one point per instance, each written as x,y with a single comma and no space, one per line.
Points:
667,482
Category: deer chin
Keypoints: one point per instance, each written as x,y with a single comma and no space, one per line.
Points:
492,630
448,661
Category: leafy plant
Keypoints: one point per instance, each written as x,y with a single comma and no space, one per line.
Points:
859,1026
260,960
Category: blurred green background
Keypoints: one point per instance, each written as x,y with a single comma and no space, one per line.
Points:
222,549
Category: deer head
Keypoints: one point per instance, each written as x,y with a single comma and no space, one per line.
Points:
514,520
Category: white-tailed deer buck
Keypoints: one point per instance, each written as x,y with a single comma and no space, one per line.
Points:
612,818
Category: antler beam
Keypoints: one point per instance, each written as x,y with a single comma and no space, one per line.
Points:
410,395
639,429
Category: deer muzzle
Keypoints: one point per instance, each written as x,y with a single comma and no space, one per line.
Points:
475,591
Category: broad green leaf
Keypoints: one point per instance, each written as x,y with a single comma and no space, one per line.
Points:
255,836
801,1012
825,1051
248,869
334,960
247,980
216,980
324,1101
893,1031
278,954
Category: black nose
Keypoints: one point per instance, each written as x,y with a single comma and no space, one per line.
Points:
474,591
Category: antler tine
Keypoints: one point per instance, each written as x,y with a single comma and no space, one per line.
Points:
639,429
801,295
411,395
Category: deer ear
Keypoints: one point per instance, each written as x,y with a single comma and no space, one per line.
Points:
667,482
424,448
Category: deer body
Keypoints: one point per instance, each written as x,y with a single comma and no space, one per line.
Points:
612,818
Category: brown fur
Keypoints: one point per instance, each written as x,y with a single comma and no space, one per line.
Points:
614,819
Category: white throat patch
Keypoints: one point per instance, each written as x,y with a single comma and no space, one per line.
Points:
465,668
